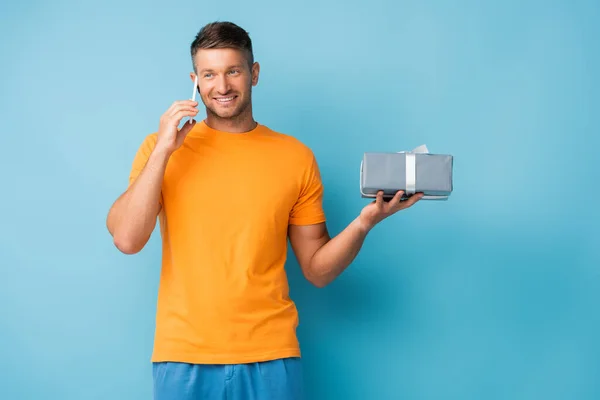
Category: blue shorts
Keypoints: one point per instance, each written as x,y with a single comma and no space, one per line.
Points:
271,380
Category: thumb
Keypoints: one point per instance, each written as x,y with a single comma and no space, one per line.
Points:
187,127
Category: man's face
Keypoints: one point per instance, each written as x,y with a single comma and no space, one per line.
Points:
225,81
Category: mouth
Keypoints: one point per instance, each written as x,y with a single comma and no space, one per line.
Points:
225,100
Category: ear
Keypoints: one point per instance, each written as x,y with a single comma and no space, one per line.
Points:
197,88
255,73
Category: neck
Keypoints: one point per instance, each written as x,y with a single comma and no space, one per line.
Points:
239,124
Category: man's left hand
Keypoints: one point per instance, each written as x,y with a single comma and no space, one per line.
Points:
380,209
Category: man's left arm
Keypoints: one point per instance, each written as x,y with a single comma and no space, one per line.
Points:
322,258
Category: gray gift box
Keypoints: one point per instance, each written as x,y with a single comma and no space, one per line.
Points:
413,171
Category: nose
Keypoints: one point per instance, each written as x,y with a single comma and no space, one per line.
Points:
222,85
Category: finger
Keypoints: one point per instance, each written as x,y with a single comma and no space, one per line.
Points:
187,109
187,102
179,104
182,107
172,107
187,127
412,200
379,199
394,203
179,116
397,198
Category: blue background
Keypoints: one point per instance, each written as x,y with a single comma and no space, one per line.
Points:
491,295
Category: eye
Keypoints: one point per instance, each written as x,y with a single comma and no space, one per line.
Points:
207,75
234,71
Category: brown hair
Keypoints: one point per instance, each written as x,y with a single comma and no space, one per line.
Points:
222,35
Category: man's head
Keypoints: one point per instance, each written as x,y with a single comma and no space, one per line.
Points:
224,62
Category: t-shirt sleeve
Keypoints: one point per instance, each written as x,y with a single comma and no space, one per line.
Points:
141,158
309,206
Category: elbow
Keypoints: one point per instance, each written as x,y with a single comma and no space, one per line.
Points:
126,241
318,281
319,277
126,245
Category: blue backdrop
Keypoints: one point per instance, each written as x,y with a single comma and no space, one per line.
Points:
491,295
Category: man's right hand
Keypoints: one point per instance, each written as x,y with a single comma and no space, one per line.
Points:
170,137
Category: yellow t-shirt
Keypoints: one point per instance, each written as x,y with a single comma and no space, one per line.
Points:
228,199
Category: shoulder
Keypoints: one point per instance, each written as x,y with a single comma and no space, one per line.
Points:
147,143
290,144
150,139
144,149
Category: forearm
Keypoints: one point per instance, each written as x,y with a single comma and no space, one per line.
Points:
331,259
132,218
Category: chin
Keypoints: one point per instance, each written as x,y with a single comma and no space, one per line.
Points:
228,114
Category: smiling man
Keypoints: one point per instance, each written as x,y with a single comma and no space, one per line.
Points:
229,192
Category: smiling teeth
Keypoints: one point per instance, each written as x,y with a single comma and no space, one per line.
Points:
225,99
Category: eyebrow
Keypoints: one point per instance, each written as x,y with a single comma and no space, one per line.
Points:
211,70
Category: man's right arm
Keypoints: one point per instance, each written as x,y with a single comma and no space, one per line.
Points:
132,217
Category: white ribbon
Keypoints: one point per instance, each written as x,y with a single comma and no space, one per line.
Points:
411,173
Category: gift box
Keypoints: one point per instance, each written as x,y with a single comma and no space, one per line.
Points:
416,171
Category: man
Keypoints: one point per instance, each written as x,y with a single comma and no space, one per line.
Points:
228,193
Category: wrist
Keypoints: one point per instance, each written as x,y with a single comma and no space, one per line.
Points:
362,226
161,152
